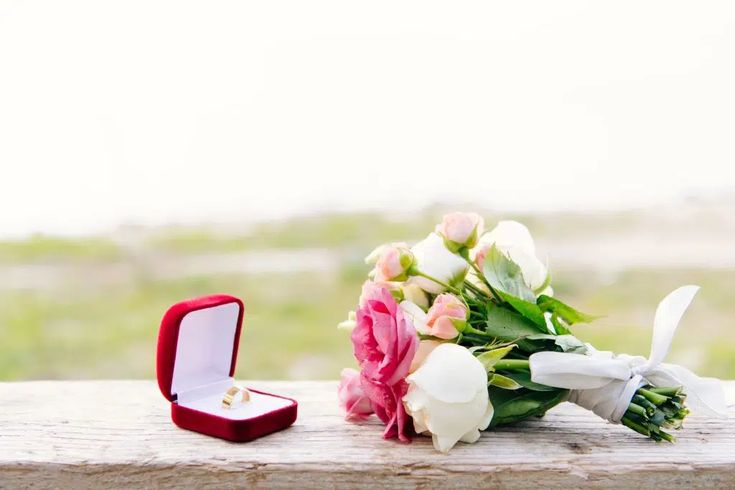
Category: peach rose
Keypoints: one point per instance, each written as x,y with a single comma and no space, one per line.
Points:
425,348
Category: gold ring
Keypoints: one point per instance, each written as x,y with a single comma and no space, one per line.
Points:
235,393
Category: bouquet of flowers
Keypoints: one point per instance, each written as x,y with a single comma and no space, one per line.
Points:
462,332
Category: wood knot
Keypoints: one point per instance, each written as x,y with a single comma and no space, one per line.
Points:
577,448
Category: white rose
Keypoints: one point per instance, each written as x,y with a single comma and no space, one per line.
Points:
416,295
448,398
432,258
514,240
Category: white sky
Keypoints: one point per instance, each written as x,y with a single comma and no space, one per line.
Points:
161,111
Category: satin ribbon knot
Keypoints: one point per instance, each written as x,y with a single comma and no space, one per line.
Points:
606,383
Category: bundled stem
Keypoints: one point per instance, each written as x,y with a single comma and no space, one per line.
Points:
651,412
654,409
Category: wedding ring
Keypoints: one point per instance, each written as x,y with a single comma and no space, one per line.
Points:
234,395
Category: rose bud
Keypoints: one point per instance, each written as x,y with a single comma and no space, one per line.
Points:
445,319
460,230
391,262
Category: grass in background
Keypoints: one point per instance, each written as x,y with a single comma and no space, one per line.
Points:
46,248
97,323
289,327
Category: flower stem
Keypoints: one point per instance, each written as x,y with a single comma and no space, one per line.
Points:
671,391
652,397
475,289
442,284
654,410
626,421
638,410
482,277
473,331
513,365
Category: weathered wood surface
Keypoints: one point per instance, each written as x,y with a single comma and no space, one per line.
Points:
104,434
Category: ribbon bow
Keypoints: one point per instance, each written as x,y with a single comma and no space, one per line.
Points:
605,382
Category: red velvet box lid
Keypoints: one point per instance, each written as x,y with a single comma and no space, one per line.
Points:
209,356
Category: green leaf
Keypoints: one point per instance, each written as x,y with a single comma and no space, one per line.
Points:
513,406
489,358
523,378
563,311
559,326
568,343
505,275
503,382
508,326
476,348
526,308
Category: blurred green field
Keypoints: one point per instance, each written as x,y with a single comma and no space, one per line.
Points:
90,307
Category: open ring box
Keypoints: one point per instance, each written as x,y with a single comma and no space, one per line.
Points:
195,364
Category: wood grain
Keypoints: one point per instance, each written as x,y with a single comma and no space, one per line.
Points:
102,434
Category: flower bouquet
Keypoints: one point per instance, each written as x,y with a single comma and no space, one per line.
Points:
462,332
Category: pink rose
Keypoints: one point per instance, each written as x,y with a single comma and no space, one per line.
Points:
351,396
385,343
460,229
446,317
391,262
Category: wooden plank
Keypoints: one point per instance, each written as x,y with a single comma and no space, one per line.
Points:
101,434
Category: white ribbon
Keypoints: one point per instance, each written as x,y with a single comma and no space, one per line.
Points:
605,382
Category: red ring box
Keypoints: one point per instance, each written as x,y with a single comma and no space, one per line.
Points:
195,364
